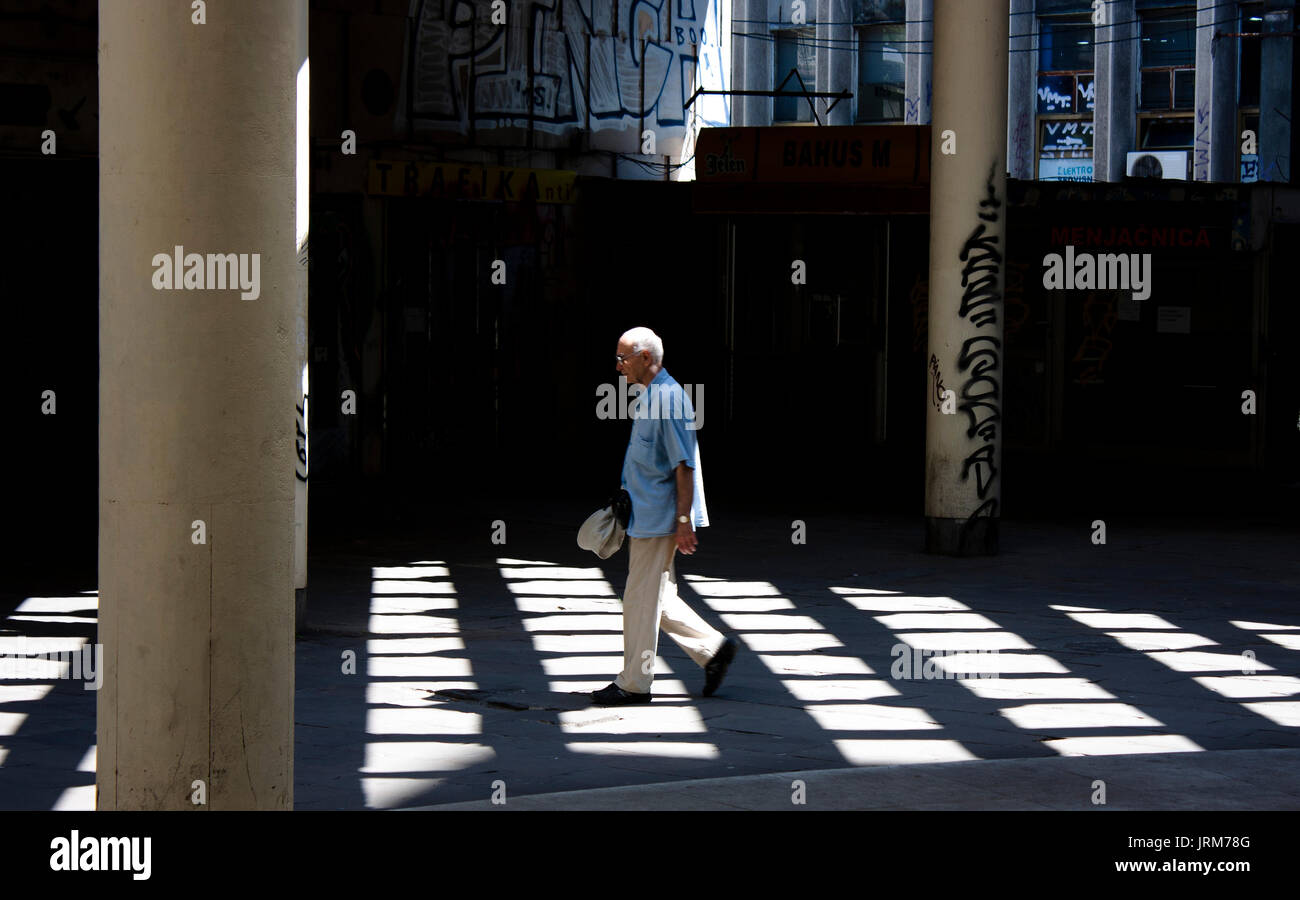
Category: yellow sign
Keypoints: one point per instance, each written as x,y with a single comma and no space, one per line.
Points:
463,181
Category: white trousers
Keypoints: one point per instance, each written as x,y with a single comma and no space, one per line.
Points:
650,602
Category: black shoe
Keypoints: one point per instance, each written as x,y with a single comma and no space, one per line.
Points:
613,695
716,670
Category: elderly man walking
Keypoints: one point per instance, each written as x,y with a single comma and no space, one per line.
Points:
661,473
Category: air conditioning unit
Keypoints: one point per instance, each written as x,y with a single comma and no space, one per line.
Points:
1169,164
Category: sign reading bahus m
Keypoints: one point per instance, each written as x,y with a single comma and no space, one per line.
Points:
862,154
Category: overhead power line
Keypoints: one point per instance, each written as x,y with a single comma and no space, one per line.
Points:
854,43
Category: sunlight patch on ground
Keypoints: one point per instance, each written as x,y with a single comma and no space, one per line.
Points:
1263,626
1282,712
1122,620
1238,686
90,760
1038,689
403,646
964,621
889,752
1051,716
389,757
76,799
1115,745
411,586
871,717
386,720
965,640
1160,640
664,749
816,665
415,571
652,718
820,689
790,641
391,793
1199,661
403,708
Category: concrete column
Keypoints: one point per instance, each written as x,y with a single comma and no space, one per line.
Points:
302,198
1022,95
1115,116
836,56
963,440
1214,154
917,91
198,383
1275,107
759,53
738,80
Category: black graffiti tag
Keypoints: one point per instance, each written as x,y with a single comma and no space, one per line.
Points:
980,390
300,442
980,356
991,505
979,278
939,389
985,472
983,266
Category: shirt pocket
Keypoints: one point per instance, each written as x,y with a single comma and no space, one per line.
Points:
643,451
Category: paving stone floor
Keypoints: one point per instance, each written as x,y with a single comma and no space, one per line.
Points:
472,661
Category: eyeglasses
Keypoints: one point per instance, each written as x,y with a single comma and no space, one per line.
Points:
622,356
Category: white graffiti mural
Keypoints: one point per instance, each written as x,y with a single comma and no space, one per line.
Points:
560,65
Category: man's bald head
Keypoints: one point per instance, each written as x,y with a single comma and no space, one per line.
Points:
642,338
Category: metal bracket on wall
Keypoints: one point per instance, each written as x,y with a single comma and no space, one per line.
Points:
781,92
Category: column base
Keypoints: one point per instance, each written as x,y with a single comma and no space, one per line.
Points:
962,537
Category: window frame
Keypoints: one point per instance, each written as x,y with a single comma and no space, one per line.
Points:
862,31
1075,115
806,32
1166,14
1244,10
1159,116
1063,19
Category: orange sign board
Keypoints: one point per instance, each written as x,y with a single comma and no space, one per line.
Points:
858,154
470,182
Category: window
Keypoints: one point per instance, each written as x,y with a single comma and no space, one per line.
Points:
1248,72
881,73
1065,45
1252,20
795,49
1172,133
1066,97
1168,53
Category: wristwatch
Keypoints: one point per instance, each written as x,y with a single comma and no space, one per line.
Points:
682,520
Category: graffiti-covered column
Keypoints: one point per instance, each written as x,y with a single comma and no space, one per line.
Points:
1216,141
302,216
200,293
967,251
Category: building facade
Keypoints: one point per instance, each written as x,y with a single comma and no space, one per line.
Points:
565,142
1098,91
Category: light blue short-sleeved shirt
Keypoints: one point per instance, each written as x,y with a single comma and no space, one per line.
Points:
663,435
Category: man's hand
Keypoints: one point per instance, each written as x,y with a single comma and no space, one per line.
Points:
685,493
686,541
